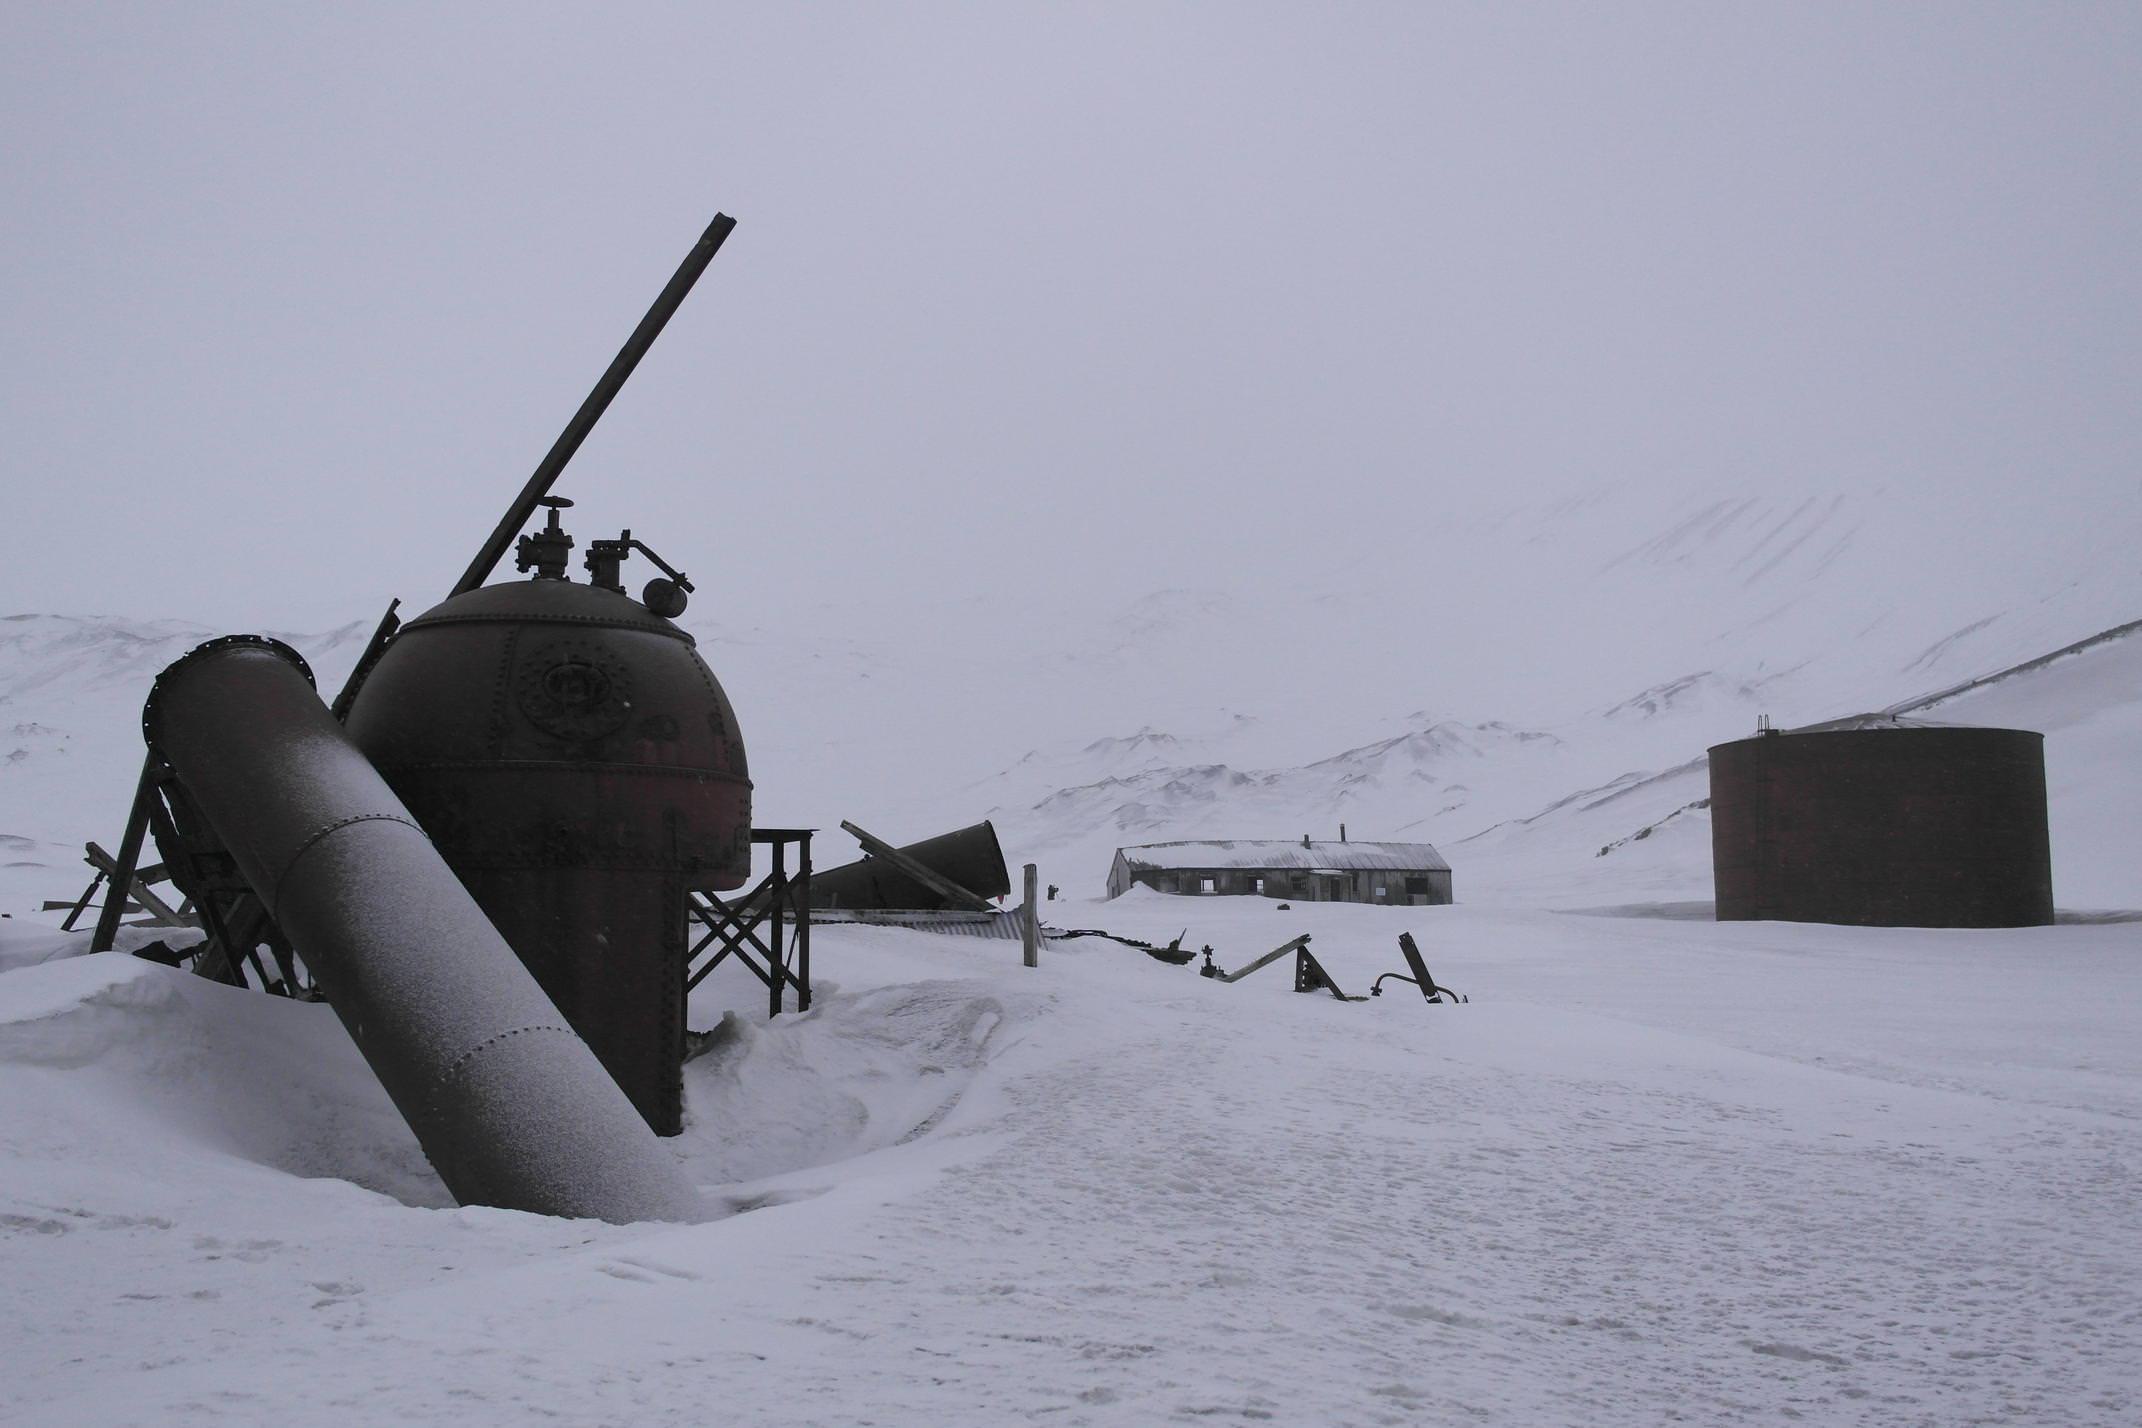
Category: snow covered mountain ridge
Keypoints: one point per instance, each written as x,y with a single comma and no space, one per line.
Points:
1596,643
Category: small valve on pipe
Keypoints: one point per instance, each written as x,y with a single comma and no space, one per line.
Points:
547,551
666,595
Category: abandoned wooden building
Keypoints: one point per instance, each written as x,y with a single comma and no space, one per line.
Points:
1402,874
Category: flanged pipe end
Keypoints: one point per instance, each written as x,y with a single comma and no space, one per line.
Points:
201,651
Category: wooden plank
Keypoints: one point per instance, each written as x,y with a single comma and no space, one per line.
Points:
165,914
75,908
137,828
1268,958
1412,951
1033,920
953,922
930,878
733,928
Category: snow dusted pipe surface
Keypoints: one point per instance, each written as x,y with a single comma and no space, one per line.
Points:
507,1101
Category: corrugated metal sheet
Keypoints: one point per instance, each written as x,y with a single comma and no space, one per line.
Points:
1008,925
1278,853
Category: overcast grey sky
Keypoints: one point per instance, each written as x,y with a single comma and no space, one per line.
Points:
1032,304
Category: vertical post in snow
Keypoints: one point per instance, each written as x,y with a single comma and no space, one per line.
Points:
777,893
803,924
1032,930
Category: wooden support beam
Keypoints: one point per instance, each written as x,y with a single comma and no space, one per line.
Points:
137,828
133,909
800,890
1267,959
929,877
232,934
1412,952
1310,976
733,931
162,913
761,926
777,965
1032,918
75,908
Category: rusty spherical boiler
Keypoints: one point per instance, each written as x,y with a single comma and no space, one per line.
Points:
580,770
1890,824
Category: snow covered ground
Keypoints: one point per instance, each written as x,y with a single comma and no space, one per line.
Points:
1657,1169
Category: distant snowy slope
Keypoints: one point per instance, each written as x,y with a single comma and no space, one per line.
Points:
1434,776
1648,838
1628,630
2089,706
1507,663
71,692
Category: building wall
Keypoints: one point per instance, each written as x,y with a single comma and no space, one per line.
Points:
1424,888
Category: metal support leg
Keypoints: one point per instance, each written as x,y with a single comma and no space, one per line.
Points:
767,929
778,895
121,881
803,924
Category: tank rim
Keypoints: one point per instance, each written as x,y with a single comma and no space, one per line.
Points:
1879,730
218,645
493,605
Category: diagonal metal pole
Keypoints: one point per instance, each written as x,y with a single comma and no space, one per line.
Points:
591,410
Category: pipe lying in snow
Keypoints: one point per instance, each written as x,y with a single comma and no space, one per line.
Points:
970,857
508,1102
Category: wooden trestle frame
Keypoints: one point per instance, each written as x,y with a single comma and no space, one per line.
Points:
779,907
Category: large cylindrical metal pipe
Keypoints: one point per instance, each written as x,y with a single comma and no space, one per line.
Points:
507,1101
970,857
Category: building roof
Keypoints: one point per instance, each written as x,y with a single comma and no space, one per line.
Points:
1282,853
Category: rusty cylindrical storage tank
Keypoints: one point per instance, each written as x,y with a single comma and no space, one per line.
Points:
1891,824
580,770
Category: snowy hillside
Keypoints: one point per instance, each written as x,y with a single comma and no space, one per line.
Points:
1515,693
1568,653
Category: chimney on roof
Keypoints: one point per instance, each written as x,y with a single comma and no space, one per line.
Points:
1342,832
1305,840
